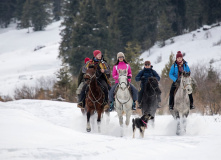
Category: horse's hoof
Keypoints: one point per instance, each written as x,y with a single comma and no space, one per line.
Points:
88,129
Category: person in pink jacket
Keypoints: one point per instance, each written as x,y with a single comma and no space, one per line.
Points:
121,64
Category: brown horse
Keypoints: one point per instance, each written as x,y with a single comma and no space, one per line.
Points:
95,97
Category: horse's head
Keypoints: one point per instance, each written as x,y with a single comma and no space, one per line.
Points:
123,79
186,82
90,73
153,81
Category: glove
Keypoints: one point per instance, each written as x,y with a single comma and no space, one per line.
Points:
177,83
128,77
142,78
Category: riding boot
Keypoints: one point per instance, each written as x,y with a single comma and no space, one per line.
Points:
111,106
81,102
191,101
134,105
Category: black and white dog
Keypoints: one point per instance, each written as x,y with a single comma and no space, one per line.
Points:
141,123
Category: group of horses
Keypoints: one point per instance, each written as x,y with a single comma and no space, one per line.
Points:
94,101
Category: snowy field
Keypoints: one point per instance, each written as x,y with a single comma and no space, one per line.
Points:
49,130
20,64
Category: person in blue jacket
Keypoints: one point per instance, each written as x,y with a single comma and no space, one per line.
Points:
143,76
179,66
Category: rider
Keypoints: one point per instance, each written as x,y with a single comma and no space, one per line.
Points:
121,64
143,76
81,79
179,66
102,75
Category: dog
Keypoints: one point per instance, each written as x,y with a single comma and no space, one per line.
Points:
141,123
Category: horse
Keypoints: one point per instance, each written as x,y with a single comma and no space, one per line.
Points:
123,98
181,102
95,97
149,100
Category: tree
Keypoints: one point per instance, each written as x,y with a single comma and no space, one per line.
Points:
35,14
57,5
7,8
132,53
164,29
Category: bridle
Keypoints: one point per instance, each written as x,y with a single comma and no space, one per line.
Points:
89,85
119,84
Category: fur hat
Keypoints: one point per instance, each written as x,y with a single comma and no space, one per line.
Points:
179,54
147,63
120,54
86,59
96,52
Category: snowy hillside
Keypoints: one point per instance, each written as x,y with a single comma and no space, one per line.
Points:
197,45
20,64
43,130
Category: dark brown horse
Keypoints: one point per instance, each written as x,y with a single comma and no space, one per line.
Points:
94,98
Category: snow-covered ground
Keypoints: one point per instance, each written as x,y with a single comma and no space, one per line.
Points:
197,45
20,64
49,130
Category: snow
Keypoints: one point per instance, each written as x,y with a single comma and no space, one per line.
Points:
36,129
50,130
197,47
20,64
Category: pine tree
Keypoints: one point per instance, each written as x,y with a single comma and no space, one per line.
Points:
40,18
57,5
132,54
26,15
166,69
164,29
71,11
7,8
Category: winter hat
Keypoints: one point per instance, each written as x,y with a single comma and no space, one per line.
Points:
96,52
86,59
179,54
147,63
120,54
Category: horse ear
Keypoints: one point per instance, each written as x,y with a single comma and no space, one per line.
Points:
125,71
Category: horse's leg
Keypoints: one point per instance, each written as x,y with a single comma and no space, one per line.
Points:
99,121
88,121
178,130
128,114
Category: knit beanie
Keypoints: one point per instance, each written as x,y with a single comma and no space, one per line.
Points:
86,59
96,52
120,54
179,54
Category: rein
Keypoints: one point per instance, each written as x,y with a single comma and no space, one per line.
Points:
119,84
93,96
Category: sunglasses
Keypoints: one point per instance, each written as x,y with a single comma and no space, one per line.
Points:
121,57
147,64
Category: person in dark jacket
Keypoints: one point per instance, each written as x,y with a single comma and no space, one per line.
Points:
143,76
81,79
179,66
102,75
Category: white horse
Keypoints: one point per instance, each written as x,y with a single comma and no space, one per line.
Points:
182,103
123,98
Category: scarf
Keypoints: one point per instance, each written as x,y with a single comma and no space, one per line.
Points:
180,67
